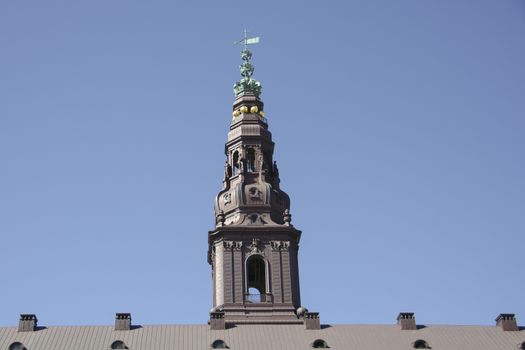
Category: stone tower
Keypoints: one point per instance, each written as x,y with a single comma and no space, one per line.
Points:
253,248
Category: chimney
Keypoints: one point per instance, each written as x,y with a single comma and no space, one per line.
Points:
311,320
122,321
217,320
406,321
507,322
27,323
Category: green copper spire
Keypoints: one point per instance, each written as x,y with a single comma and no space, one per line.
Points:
247,84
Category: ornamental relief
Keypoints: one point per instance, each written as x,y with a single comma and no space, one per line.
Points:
255,247
227,197
233,245
280,245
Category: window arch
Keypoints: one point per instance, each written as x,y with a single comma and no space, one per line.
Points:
235,161
256,278
319,344
118,344
17,346
219,344
250,160
421,344
522,346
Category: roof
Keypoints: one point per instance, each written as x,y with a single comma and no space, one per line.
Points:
259,337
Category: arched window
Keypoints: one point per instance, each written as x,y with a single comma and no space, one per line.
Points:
256,278
250,160
421,344
320,344
219,344
17,346
522,346
118,344
235,163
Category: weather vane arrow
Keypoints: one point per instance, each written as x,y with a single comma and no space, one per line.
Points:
247,41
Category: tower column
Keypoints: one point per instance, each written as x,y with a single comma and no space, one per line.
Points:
219,274
277,278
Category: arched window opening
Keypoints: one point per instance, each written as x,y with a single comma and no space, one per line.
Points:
421,344
219,344
522,346
256,277
236,166
118,344
17,346
250,160
320,344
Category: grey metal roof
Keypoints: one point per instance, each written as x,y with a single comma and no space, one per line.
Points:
255,337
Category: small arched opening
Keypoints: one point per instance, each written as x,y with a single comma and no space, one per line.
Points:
17,346
421,344
250,160
522,346
219,344
256,279
118,344
319,344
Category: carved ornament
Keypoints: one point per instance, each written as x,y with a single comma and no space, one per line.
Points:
280,245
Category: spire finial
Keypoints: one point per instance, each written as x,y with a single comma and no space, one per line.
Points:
247,84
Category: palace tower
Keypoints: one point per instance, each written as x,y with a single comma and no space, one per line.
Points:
253,248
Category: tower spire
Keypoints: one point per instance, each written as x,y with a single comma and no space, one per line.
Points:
253,249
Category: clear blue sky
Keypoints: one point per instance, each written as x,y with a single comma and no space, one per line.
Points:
399,129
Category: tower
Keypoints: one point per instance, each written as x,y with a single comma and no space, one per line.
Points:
253,250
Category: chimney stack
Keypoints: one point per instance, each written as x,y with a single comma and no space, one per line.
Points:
122,321
406,321
27,323
217,320
507,322
311,320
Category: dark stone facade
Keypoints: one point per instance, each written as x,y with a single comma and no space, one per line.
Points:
253,249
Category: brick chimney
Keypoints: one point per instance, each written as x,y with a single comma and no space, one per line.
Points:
507,322
217,320
122,321
311,320
406,321
27,323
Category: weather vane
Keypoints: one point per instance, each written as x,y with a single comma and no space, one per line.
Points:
247,84
247,41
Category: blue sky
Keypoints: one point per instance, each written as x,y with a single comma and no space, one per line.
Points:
399,130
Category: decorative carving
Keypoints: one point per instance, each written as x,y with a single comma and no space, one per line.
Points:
220,218
275,169
211,256
247,84
256,219
280,245
255,194
227,198
287,217
254,246
260,162
227,171
232,245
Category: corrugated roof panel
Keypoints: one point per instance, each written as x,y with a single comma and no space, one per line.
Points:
263,337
